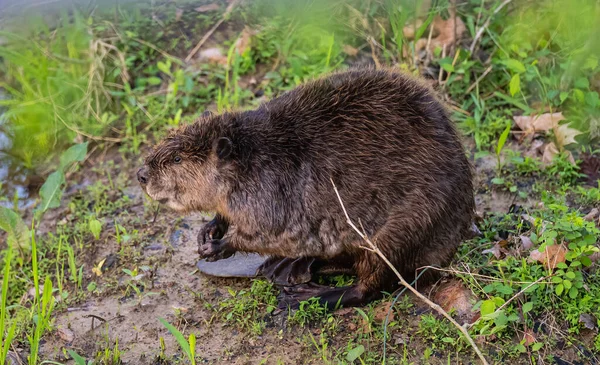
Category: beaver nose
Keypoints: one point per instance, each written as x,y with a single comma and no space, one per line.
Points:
142,175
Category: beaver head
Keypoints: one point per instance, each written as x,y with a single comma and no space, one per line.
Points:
184,171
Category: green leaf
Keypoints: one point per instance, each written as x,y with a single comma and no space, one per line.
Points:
515,65
573,293
487,307
95,227
505,289
515,84
537,346
578,95
497,181
154,80
75,153
582,83
355,353
567,284
165,67
502,139
559,289
11,223
570,275
51,191
502,319
527,307
586,261
92,286
447,67
76,357
563,96
591,98
178,336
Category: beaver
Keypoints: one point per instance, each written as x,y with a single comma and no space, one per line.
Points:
381,136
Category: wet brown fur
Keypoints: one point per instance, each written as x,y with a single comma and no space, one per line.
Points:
384,139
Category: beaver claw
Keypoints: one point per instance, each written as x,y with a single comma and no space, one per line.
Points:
215,229
211,246
213,250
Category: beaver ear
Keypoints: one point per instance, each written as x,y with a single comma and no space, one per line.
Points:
223,147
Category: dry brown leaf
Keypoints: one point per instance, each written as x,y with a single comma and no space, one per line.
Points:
529,337
589,321
65,334
565,135
526,243
454,295
365,326
244,41
350,51
592,215
528,218
207,7
538,123
344,311
409,31
178,14
552,255
535,149
213,55
495,250
381,312
550,151
448,32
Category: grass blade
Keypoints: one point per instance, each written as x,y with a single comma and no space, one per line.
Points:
178,336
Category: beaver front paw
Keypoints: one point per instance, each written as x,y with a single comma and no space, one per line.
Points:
215,229
215,249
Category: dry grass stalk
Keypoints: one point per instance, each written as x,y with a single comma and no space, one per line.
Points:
485,25
212,30
371,247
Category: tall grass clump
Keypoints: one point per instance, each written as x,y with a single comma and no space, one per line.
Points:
54,81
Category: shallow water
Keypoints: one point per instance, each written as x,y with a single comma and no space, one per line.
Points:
13,175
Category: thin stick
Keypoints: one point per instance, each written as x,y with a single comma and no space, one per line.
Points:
434,306
486,24
522,291
482,277
484,74
212,30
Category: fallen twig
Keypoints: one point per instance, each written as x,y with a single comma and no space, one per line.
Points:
211,30
484,74
486,24
434,306
522,291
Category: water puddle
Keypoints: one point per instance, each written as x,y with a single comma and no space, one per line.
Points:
14,177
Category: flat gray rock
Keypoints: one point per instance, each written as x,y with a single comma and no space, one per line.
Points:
240,265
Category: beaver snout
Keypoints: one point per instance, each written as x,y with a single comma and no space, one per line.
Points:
142,176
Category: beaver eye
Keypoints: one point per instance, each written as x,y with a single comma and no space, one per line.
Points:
177,159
